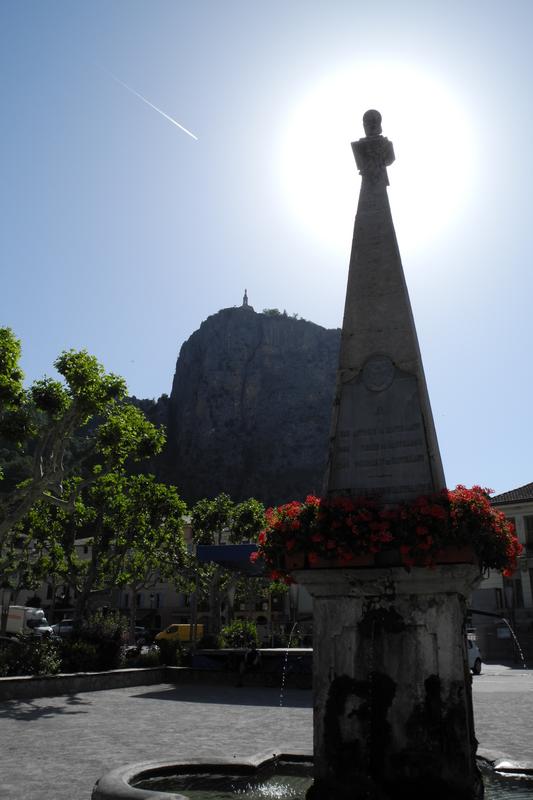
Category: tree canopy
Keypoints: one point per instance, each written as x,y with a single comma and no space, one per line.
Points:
213,518
131,525
44,424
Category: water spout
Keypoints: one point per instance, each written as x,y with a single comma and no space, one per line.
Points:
517,643
285,665
511,630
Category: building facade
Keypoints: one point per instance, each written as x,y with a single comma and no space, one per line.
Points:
155,607
504,626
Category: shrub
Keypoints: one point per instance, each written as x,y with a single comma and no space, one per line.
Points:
79,656
240,633
30,655
169,652
152,658
208,642
106,626
96,644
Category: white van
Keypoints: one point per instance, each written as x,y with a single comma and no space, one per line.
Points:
25,619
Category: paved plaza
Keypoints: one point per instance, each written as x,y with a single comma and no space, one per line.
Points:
54,748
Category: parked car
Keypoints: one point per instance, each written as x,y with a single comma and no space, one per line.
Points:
474,657
141,635
63,628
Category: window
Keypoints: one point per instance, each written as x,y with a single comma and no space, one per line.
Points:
125,600
528,523
139,600
499,597
513,592
518,593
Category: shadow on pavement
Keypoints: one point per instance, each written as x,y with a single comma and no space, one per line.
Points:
230,695
30,710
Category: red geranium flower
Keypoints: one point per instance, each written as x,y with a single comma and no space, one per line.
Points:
418,528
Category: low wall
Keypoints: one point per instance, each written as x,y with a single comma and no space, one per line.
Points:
27,687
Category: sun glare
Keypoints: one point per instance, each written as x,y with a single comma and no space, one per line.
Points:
432,176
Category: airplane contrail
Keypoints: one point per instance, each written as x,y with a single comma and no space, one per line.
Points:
148,103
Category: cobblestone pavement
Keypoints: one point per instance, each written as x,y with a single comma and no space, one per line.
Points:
54,748
503,708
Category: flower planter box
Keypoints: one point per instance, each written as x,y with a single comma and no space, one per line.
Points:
456,555
389,558
302,561
295,561
408,531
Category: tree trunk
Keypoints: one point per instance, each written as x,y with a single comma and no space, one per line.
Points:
215,603
3,618
80,607
133,613
194,615
53,603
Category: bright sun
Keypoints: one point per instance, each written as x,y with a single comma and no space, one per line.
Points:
432,135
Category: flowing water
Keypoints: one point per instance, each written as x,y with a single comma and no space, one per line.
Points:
515,640
481,613
285,665
290,781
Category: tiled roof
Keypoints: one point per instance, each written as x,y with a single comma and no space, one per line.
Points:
521,495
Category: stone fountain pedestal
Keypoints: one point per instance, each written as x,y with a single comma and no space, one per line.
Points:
392,689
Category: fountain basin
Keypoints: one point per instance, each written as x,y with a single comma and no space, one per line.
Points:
122,783
125,783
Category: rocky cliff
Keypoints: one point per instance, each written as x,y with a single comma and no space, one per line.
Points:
250,407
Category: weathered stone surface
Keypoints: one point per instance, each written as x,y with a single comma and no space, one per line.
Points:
379,337
250,407
392,715
392,698
380,444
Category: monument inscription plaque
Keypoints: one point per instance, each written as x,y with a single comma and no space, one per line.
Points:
380,447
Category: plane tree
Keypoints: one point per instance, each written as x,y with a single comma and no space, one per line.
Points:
147,545
219,518
78,425
123,531
214,521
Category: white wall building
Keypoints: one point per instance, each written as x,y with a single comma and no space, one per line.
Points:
509,598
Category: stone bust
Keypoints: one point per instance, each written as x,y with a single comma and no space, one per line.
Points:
374,153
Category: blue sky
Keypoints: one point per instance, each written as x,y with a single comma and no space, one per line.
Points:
120,233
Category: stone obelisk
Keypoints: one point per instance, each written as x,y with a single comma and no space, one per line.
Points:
383,439
392,690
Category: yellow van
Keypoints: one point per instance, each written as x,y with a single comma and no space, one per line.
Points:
180,632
